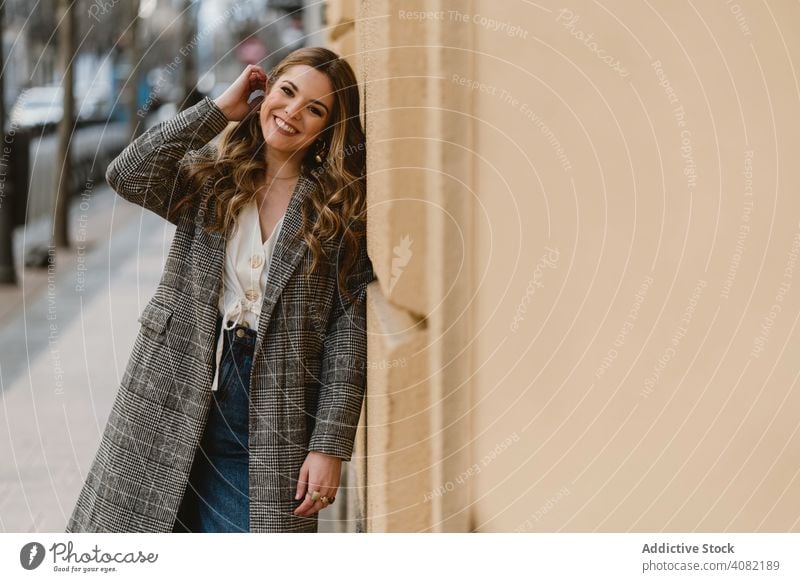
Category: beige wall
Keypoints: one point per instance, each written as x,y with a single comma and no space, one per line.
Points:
646,219
586,257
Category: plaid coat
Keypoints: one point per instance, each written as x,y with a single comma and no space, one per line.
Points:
309,368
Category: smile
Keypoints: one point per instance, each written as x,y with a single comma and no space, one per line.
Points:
283,126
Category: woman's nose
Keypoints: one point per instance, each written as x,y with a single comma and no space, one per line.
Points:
292,109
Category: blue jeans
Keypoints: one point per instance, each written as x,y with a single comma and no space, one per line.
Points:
217,496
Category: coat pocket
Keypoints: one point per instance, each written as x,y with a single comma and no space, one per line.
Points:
163,340
155,318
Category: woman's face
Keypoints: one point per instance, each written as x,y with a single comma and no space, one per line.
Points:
296,109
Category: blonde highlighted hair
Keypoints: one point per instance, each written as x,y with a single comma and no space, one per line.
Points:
336,208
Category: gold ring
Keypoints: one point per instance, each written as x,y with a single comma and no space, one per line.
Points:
315,496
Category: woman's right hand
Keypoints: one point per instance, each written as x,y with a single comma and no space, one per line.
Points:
233,102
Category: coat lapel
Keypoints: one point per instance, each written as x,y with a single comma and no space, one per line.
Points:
208,263
289,249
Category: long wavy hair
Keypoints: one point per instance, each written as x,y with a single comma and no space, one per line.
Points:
336,208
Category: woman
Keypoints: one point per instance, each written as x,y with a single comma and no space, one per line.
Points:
244,389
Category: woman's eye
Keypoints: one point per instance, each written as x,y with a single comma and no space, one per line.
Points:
315,110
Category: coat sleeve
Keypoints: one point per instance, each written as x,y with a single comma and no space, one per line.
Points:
344,368
149,171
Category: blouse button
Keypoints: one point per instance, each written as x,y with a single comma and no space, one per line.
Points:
256,261
251,294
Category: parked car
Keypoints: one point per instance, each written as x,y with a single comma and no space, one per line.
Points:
43,106
37,106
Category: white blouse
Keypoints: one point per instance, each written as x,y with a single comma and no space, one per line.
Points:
247,263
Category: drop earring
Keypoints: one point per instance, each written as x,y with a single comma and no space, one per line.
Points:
320,152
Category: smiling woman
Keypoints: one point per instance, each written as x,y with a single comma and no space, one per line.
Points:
244,390
315,94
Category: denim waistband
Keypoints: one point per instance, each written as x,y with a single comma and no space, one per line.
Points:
240,335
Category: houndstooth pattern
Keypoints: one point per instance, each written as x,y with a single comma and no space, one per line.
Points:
309,368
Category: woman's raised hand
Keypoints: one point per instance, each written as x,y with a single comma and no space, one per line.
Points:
234,101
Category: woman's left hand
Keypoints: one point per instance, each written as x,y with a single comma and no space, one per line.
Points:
320,472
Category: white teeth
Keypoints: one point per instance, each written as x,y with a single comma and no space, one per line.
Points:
283,125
